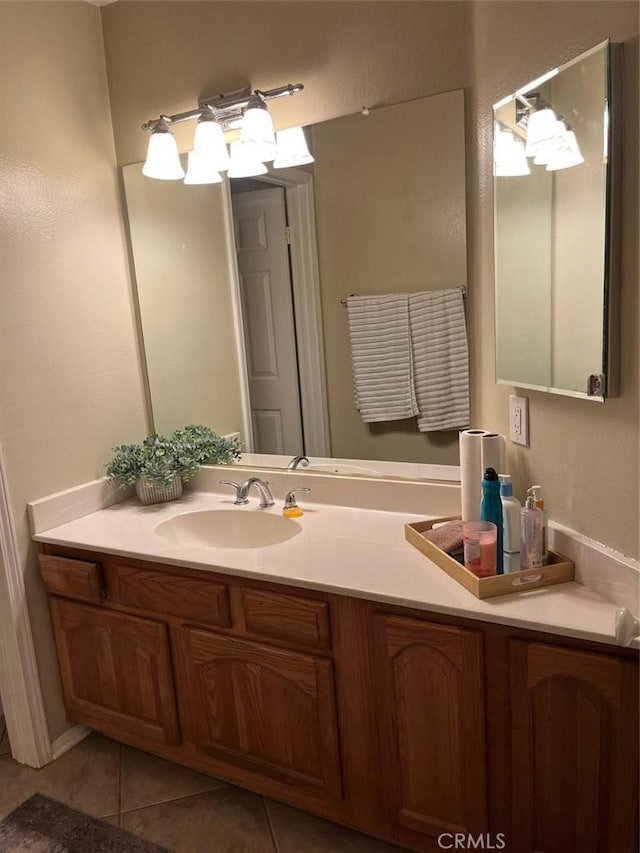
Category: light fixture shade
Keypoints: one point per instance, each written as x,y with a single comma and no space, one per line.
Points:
567,155
541,127
292,148
209,144
257,132
163,160
243,163
509,156
200,170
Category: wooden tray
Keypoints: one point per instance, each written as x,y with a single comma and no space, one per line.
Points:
558,570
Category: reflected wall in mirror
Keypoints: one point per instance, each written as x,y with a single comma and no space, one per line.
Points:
381,210
554,281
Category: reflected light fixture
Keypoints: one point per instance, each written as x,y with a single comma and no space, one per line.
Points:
240,109
541,129
567,154
292,148
244,162
509,158
550,140
163,160
200,170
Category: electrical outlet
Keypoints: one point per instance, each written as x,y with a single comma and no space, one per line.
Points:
519,420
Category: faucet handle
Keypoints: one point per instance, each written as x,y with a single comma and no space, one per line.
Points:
290,499
240,499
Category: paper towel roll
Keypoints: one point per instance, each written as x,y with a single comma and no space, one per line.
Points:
493,452
471,472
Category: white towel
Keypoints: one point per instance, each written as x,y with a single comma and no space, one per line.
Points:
381,357
440,359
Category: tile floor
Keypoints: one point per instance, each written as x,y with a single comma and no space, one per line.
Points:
178,808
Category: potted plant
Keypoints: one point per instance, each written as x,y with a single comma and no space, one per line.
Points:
159,466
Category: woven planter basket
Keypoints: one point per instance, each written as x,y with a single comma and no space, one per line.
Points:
158,494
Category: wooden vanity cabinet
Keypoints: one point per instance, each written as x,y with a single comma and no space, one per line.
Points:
404,724
432,726
575,750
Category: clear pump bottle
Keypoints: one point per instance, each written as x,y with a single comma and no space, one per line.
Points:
535,491
531,529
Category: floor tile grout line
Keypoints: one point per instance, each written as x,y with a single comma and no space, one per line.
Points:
224,787
272,831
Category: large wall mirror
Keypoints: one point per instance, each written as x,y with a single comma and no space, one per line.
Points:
555,254
381,210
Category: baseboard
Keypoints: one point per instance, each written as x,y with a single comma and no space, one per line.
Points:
68,740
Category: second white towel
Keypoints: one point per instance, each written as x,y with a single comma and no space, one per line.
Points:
440,359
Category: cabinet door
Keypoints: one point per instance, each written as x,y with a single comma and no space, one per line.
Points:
432,726
266,710
575,750
116,671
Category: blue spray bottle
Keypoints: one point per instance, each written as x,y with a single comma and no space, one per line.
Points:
491,510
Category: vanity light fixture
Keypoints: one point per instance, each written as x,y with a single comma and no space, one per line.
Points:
208,142
163,160
257,130
240,109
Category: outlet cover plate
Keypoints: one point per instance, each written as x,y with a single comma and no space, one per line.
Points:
519,420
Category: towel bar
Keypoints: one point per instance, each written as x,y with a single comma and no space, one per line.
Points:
343,301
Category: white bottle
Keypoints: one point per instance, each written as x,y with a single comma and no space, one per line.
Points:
510,516
531,527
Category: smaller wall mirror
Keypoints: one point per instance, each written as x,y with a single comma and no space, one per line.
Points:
555,258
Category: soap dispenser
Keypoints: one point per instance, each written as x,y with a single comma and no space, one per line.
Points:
291,508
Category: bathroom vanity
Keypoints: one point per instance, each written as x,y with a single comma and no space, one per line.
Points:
377,693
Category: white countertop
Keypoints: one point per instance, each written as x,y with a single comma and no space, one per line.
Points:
341,550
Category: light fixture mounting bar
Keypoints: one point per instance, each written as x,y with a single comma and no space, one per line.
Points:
225,106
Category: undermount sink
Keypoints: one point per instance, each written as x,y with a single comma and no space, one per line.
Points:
227,528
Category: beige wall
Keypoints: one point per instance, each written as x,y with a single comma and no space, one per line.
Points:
70,385
585,454
390,217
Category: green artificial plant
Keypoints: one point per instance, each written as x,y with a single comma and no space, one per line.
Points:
158,460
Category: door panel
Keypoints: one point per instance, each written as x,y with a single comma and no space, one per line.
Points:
575,751
268,710
432,726
267,304
116,671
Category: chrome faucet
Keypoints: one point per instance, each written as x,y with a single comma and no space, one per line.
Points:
266,498
297,460
242,491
